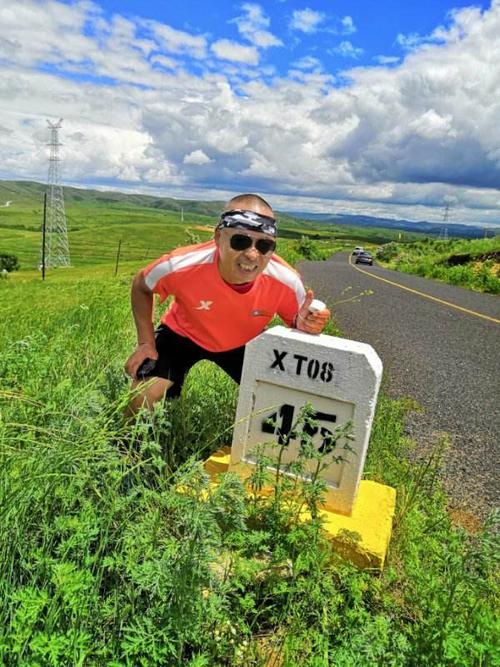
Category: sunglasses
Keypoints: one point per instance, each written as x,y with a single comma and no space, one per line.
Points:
243,242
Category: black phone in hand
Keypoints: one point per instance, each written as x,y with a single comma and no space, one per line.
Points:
145,368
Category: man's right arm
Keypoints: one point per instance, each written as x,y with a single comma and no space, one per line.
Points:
142,308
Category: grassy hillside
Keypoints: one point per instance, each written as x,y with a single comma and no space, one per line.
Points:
474,264
29,191
96,224
146,225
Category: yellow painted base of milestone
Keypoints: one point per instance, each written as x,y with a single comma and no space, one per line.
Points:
363,537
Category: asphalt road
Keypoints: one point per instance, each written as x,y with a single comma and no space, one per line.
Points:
447,359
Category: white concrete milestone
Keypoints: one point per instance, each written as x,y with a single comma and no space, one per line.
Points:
284,369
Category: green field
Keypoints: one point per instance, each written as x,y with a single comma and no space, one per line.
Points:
95,229
98,221
114,550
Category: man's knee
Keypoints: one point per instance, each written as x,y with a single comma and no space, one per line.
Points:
147,393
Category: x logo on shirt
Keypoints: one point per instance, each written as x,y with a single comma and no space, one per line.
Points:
204,305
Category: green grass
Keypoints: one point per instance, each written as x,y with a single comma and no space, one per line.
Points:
474,264
146,226
115,551
94,236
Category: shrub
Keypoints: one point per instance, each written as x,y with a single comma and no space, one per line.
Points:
388,251
8,262
485,280
307,249
294,251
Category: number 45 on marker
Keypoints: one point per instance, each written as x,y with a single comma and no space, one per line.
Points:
286,413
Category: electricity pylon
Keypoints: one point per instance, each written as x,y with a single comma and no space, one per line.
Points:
443,234
57,246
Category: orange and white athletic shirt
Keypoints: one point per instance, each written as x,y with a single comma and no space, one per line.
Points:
207,310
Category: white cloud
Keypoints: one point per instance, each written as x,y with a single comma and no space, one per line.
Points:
386,60
254,19
31,32
264,39
164,61
197,157
315,79
431,125
348,27
91,45
252,26
347,50
177,41
229,50
306,20
463,22
308,62
410,42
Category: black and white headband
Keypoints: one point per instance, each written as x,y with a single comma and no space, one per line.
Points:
248,220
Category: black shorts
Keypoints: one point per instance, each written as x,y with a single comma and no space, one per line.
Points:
177,354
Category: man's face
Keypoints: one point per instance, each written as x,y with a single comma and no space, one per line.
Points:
241,266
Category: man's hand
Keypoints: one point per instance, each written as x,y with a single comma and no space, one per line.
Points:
312,323
142,352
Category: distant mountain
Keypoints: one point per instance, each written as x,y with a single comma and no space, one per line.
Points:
430,228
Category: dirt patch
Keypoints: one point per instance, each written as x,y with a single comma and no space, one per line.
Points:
494,269
465,519
201,228
465,258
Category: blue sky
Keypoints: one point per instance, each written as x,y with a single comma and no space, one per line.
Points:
378,108
373,32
